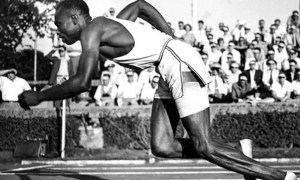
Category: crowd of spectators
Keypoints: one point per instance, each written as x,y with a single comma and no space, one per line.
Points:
247,64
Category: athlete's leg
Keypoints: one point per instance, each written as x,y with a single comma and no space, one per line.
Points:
164,120
198,127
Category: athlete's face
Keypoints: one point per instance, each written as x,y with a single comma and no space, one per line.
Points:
67,26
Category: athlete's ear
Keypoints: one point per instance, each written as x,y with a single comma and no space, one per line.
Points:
74,19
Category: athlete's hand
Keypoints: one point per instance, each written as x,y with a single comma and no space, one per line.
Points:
29,98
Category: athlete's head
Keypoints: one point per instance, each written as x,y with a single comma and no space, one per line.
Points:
70,18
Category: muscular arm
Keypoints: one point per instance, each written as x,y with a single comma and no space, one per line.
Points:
147,12
90,40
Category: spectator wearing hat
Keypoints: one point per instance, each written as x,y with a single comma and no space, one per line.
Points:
293,19
145,77
281,90
235,54
292,37
148,91
116,71
270,75
296,87
106,92
291,73
217,89
129,91
254,76
280,55
11,86
241,90
214,55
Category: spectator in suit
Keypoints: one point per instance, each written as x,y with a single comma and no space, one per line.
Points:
291,73
270,37
241,90
296,87
294,55
254,76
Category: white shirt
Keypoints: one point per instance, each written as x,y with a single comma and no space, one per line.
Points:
147,93
281,90
280,57
129,90
63,67
101,89
267,75
296,86
217,83
12,89
252,81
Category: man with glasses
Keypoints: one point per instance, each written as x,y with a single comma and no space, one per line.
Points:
291,73
270,75
280,54
241,90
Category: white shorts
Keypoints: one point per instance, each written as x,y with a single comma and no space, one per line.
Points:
180,83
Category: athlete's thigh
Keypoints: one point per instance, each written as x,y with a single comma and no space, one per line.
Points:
164,120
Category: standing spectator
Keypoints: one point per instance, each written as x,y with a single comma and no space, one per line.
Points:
188,37
280,30
62,69
217,89
206,60
106,92
292,37
270,75
249,35
280,55
238,31
296,87
293,19
291,73
261,28
180,31
128,92
11,86
270,37
241,90
148,91
281,90
200,35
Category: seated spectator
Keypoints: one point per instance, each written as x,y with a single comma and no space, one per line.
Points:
221,45
210,38
11,86
226,35
146,76
217,89
291,73
214,55
106,92
293,19
270,75
254,78
242,47
148,91
261,28
261,43
205,59
280,55
233,75
235,54
259,58
241,90
128,92
180,31
296,87
281,90
294,55
116,71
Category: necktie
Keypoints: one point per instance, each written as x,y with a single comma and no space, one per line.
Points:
271,79
216,85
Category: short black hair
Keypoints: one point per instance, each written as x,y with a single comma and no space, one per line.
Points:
76,5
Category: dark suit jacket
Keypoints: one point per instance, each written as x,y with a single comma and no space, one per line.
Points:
289,76
257,77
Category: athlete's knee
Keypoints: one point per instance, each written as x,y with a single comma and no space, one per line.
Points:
161,149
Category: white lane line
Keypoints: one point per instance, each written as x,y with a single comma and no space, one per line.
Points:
158,168
124,173
27,168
